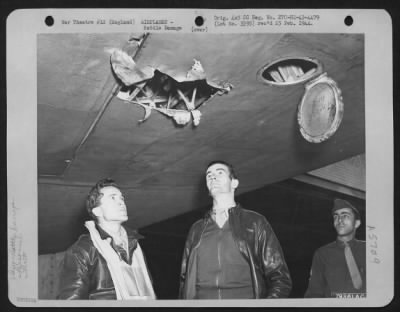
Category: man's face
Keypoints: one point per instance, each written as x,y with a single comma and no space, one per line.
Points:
112,205
345,222
218,180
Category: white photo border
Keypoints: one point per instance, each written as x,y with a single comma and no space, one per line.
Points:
23,26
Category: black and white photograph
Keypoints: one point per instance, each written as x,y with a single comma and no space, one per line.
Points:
224,163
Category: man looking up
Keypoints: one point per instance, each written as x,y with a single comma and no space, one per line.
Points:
108,262
231,253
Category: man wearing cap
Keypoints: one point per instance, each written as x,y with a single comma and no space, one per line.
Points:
338,269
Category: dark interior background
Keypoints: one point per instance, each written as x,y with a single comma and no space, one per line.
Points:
299,214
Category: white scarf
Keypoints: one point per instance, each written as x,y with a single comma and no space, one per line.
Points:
130,281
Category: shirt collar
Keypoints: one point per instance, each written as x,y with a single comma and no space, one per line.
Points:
230,210
342,244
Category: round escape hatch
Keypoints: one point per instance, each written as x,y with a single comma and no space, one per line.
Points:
320,111
289,71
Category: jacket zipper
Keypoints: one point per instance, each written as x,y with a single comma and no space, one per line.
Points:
219,266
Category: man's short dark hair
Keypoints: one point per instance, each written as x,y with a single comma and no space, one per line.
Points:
94,196
232,173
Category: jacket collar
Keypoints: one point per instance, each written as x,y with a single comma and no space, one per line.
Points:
133,237
231,211
132,234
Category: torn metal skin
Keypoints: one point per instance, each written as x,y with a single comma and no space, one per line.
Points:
153,90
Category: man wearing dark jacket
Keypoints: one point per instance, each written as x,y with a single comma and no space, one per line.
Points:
232,253
108,262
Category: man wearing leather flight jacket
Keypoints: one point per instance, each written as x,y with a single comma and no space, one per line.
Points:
232,253
107,263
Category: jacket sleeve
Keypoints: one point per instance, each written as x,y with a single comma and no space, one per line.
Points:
185,258
316,283
74,281
276,272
